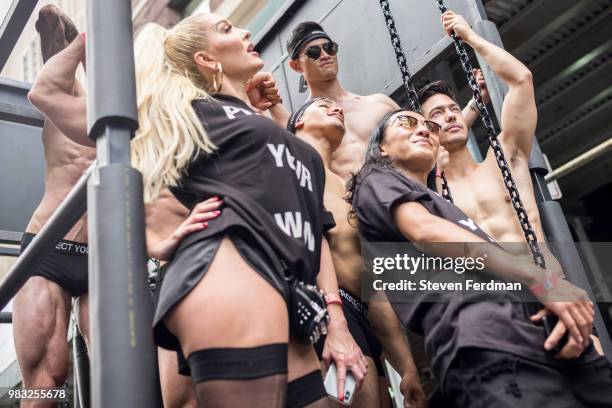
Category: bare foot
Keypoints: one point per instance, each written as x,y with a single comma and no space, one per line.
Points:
52,29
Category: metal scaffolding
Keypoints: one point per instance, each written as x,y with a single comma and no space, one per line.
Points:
124,363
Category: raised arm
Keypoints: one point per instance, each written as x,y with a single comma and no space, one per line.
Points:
470,112
280,115
59,96
519,113
265,96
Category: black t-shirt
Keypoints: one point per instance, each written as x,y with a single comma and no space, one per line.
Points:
270,181
459,321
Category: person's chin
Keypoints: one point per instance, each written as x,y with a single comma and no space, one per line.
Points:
329,71
454,140
259,62
253,58
339,130
334,126
461,139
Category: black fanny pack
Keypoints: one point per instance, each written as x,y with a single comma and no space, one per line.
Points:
308,315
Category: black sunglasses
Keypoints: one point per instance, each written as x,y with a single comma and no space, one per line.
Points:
410,122
314,51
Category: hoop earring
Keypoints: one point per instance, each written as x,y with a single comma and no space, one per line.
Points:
218,82
303,85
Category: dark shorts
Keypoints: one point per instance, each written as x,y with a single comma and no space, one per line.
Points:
66,265
188,267
487,378
356,313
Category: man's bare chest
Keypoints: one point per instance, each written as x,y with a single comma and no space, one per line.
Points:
481,196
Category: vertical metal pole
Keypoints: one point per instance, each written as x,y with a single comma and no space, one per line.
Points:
590,258
81,371
553,221
123,358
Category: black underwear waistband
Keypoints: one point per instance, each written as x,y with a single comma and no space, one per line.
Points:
62,246
354,301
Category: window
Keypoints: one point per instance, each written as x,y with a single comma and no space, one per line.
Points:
32,60
250,14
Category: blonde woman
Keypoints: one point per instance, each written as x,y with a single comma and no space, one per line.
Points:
223,301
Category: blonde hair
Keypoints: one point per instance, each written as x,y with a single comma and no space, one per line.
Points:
170,134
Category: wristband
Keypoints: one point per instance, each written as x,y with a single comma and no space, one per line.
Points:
438,172
333,298
472,105
549,282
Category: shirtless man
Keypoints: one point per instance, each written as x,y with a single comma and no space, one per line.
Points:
167,221
478,188
41,309
321,74
361,114
320,122
65,134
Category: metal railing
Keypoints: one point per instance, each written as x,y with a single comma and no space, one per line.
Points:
124,369
67,214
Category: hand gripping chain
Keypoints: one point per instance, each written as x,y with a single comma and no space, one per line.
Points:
497,149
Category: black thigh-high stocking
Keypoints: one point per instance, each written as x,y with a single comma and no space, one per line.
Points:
307,391
240,377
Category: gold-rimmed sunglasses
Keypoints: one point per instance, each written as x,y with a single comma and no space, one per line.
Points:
410,122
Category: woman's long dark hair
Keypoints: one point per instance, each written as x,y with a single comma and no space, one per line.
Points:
374,158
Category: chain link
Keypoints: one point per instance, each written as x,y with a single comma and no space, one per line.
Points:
446,193
517,203
413,97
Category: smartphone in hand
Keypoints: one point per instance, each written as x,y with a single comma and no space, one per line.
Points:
331,385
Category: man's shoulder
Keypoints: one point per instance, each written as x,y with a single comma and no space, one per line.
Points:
383,100
378,99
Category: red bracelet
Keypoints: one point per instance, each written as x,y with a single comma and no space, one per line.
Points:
333,298
542,287
438,172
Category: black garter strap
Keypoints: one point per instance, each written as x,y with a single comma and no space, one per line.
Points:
238,363
305,390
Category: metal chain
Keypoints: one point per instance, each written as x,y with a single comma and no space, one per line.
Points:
446,193
413,97
517,203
